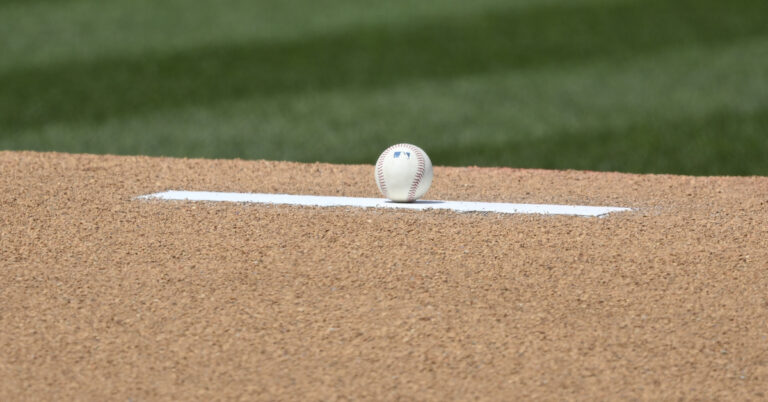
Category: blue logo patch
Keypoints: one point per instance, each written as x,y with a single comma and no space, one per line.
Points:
407,155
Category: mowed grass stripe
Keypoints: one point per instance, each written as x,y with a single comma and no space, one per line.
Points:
632,115
726,141
40,32
369,58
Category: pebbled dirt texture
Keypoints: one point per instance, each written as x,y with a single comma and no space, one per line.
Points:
105,297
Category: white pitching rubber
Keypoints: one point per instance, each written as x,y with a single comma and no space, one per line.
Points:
324,201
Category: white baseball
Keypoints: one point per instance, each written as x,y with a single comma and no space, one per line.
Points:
403,173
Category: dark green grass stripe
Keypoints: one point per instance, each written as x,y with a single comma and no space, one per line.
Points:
25,2
727,142
369,57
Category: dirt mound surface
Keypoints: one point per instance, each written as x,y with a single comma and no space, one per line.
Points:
105,297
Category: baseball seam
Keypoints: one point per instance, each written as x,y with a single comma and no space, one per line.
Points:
421,165
380,172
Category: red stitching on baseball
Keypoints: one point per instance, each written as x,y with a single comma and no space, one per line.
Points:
421,164
380,171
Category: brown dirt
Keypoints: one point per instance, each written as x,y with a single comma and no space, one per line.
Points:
103,297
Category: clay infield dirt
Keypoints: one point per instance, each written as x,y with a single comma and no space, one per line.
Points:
105,297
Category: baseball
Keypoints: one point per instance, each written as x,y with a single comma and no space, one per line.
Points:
403,173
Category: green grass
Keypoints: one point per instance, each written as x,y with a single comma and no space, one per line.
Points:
666,86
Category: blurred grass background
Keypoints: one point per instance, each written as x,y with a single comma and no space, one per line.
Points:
661,86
